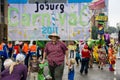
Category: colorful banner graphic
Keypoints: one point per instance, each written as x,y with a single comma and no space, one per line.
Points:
36,21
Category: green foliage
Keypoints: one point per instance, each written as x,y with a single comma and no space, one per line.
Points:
111,29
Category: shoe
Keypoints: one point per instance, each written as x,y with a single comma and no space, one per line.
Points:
81,73
91,66
98,66
86,73
101,68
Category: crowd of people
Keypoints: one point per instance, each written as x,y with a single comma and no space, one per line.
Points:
20,61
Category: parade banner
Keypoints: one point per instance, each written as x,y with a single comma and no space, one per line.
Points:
35,20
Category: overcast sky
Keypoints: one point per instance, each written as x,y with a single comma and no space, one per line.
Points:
114,12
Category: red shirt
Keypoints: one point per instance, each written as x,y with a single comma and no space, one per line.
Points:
85,53
17,48
55,52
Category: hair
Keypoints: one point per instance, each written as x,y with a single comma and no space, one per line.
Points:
20,58
12,67
34,43
72,61
7,63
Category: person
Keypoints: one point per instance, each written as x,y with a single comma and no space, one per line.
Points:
72,48
16,71
111,57
71,71
102,57
7,64
25,50
85,59
55,50
3,52
16,49
34,68
77,58
10,49
34,49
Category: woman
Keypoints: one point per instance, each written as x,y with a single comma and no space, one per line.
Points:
16,71
85,59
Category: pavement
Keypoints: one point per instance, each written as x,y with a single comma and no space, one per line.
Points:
94,73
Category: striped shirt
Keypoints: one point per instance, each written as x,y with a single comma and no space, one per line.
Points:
55,52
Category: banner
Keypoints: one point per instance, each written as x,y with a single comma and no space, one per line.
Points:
35,21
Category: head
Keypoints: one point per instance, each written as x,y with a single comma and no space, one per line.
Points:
111,45
34,57
72,61
7,63
16,42
85,46
54,37
9,42
20,58
4,40
34,43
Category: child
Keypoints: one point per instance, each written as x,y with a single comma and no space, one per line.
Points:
77,55
71,69
34,68
102,58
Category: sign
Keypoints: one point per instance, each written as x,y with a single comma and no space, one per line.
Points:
101,18
37,21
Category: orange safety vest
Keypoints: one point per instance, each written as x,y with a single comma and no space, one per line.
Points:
1,47
9,45
25,48
33,48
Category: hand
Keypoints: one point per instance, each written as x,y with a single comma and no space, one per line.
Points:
67,63
43,61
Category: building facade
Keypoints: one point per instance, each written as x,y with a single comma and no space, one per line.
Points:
3,19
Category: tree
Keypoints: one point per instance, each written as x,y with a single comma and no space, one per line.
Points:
111,30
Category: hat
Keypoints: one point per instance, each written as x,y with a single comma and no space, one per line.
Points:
20,57
16,42
53,35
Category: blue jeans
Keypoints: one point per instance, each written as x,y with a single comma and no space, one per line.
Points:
84,65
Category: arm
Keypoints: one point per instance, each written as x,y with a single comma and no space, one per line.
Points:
66,54
44,55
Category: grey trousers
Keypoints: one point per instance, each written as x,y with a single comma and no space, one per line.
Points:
56,71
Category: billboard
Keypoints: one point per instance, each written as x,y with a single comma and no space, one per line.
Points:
36,20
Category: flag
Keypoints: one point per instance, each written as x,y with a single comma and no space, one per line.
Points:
97,5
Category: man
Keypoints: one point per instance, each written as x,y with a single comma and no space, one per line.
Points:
3,52
55,51
25,50
34,49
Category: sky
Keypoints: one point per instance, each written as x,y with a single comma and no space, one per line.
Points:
114,12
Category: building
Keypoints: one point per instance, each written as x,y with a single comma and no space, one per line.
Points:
3,19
